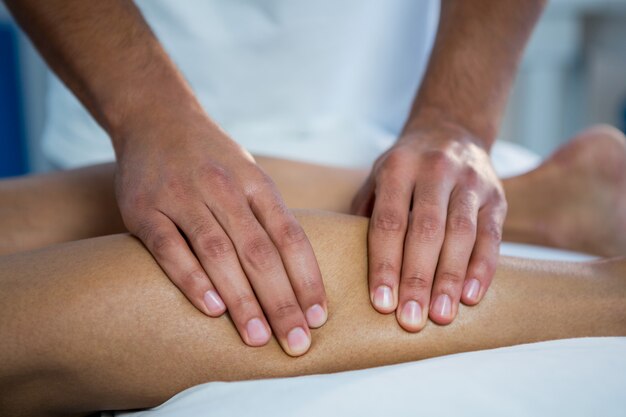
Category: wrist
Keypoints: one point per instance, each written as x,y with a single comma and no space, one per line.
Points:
156,119
442,127
463,126
142,105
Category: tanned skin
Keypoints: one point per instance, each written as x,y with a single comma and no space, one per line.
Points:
110,59
96,324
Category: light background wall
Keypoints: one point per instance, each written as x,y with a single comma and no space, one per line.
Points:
573,75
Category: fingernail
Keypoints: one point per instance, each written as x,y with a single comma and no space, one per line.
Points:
298,341
214,302
411,313
383,297
316,316
472,289
443,305
257,332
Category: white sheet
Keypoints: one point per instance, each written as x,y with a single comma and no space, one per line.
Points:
574,377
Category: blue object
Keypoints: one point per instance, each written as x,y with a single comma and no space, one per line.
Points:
12,143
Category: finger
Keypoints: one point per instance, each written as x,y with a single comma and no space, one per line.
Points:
364,199
484,258
387,230
297,255
264,268
422,247
170,250
455,254
219,259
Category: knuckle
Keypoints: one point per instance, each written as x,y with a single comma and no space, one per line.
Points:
438,160
176,188
200,228
189,279
242,215
261,187
215,247
466,201
450,278
394,161
427,228
243,302
484,267
258,252
417,282
390,192
385,268
461,224
492,231
290,234
388,221
284,309
217,175
310,284
279,208
161,243
471,178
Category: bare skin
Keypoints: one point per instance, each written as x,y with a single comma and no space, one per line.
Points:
576,199
96,324
81,204
181,178
424,262
183,186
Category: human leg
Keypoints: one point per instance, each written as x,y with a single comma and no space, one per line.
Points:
96,324
575,200
40,210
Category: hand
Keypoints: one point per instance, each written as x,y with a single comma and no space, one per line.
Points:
218,227
437,210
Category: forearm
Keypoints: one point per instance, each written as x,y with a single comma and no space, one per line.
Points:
110,59
473,63
113,332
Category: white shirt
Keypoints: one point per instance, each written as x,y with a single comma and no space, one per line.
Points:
323,81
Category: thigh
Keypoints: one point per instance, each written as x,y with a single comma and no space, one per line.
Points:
41,210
